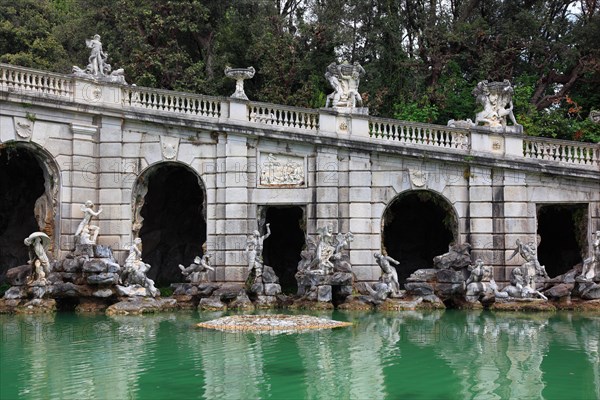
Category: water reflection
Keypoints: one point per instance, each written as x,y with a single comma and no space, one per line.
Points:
407,354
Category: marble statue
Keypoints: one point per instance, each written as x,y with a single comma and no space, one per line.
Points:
522,286
135,269
97,59
344,79
326,253
197,272
532,269
591,265
239,74
98,68
496,99
87,233
254,248
324,264
325,249
389,274
38,243
481,283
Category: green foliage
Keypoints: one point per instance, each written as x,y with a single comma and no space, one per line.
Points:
165,291
413,111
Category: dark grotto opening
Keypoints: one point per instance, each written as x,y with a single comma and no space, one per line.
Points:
563,233
417,226
174,227
21,184
282,249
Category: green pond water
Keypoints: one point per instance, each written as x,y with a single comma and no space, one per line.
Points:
402,355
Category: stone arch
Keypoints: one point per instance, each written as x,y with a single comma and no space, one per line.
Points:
30,201
169,215
416,226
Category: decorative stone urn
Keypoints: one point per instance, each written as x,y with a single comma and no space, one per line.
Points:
239,74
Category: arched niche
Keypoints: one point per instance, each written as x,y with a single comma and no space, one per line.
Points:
417,225
169,215
29,199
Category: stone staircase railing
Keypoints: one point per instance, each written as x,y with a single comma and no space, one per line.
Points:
283,116
171,102
13,78
420,133
577,153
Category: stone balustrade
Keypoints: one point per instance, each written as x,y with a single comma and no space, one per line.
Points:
171,102
577,153
17,79
283,116
395,133
419,133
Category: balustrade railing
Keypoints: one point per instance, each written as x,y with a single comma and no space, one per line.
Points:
173,102
417,133
561,150
287,117
29,80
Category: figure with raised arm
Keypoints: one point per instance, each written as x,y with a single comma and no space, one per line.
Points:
254,248
389,274
91,231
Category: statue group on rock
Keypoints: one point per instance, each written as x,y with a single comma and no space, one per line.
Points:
98,68
344,79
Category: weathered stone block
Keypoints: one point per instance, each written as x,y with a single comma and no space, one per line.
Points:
341,278
448,290
69,289
345,291
101,251
211,304
559,291
18,276
103,293
324,293
272,289
422,275
269,275
84,250
95,265
257,288
419,288
72,265
266,301
16,292
105,278
449,276
228,291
